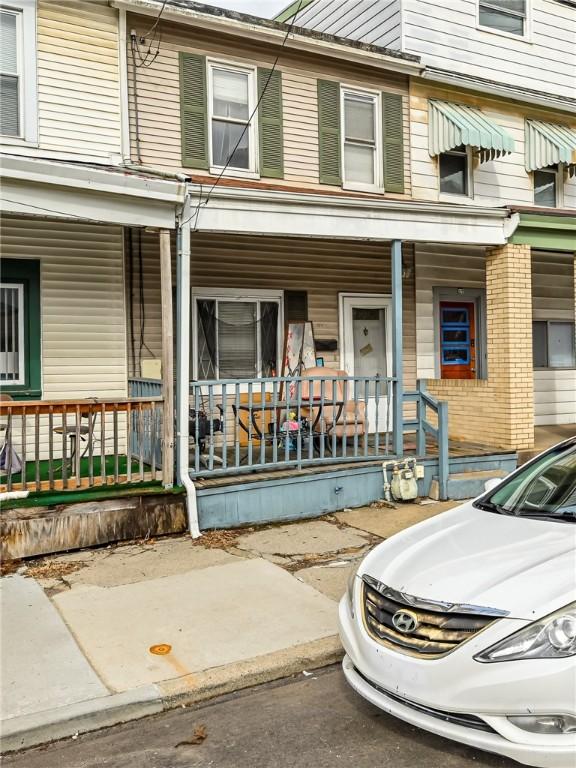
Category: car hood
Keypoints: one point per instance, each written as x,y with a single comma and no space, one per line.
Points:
467,555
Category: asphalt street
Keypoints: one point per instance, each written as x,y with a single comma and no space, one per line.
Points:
311,721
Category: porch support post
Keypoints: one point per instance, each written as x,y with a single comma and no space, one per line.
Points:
397,356
167,359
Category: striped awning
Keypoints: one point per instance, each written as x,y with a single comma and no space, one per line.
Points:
454,125
550,144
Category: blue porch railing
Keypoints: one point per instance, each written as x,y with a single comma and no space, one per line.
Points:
146,430
243,425
437,428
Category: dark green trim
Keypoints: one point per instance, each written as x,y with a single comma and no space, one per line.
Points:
296,7
27,272
553,232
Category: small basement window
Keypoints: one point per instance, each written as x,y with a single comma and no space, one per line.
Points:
553,344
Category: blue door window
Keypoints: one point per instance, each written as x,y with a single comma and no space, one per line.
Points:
455,335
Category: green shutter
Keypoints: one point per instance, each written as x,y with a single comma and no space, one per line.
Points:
270,123
193,111
393,142
329,131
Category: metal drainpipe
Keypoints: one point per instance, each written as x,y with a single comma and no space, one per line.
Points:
183,368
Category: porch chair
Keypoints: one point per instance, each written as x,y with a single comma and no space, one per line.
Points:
352,416
85,432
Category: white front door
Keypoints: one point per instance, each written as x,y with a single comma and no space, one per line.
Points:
366,350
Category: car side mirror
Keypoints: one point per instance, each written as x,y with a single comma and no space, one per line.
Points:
489,485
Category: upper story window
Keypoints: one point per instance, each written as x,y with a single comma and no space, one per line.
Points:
231,104
503,15
454,169
361,139
546,187
18,98
225,127
11,72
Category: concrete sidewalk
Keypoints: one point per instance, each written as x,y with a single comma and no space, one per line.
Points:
102,636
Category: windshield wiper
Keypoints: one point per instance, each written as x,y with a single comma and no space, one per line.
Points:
489,506
567,516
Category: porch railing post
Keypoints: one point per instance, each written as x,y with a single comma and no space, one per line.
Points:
443,456
167,360
397,356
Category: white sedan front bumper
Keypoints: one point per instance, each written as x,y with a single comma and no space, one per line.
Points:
457,685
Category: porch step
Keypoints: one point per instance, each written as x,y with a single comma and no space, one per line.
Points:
465,485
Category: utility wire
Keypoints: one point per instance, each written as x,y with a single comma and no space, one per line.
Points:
203,203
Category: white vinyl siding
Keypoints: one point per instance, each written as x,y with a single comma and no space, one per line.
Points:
446,35
553,299
78,82
82,304
504,181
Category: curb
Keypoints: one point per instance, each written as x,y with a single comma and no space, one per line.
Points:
50,725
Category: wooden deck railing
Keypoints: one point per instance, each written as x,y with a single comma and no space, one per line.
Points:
74,444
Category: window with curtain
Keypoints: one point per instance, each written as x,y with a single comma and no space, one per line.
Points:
361,143
236,338
10,72
12,316
230,108
503,15
553,344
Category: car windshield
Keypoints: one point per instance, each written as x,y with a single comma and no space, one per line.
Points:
545,489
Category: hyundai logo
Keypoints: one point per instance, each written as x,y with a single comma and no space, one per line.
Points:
405,622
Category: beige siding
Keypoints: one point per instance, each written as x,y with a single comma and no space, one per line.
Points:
553,299
78,82
158,97
322,268
441,266
503,181
82,297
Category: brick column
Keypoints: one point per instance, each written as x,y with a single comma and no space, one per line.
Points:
509,327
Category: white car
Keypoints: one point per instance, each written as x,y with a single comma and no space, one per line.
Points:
465,624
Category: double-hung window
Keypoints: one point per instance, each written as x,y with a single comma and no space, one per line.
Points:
232,122
237,336
11,72
546,187
553,344
504,15
454,169
18,95
360,139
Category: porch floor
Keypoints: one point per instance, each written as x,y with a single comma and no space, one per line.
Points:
545,437
457,449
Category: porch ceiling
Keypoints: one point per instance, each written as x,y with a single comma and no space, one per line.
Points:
263,212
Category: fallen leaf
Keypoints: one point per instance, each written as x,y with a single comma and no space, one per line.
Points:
199,735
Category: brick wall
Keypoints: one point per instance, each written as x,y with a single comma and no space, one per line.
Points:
499,411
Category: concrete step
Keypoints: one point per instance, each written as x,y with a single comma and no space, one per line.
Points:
465,485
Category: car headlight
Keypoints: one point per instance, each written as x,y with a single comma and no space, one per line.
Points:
350,589
553,637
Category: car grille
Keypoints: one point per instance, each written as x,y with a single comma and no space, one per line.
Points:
457,718
437,628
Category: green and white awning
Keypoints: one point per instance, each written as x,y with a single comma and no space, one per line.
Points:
549,144
454,125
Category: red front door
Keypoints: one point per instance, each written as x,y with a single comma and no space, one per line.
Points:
457,340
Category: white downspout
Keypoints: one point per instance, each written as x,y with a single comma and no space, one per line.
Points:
183,368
